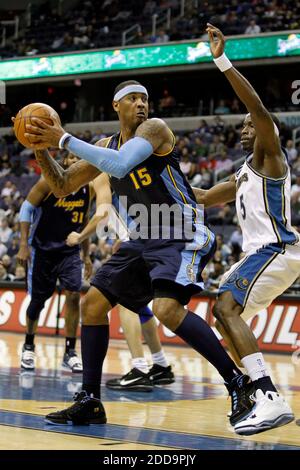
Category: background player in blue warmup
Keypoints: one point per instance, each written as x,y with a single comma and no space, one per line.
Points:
144,166
49,220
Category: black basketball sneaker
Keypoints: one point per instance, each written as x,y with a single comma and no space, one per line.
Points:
134,381
160,375
240,391
85,410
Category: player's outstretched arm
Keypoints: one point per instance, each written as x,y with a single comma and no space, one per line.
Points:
267,137
63,182
219,194
152,135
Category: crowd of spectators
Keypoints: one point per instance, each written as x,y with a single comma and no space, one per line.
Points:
210,150
97,24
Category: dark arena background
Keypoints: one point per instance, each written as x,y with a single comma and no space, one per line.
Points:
71,54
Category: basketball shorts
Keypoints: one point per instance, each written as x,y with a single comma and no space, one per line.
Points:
48,267
261,276
144,269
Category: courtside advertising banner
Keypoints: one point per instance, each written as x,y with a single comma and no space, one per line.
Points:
276,328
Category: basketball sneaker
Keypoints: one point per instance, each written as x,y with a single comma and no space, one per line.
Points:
28,357
135,380
240,391
270,411
160,375
71,362
85,410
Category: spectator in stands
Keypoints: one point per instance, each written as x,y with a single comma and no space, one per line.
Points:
222,247
291,151
162,37
5,167
13,248
231,137
295,194
253,28
235,107
3,249
216,147
20,274
188,168
222,108
8,189
5,231
208,285
285,133
217,125
8,264
166,103
217,270
236,241
149,8
296,165
4,276
223,165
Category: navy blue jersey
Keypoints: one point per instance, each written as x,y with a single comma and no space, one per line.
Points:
56,217
157,181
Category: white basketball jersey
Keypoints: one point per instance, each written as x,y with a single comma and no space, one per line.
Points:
263,208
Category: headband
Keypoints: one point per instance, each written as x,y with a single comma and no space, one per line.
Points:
130,89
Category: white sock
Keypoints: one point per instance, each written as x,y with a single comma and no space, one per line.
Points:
140,363
160,359
255,366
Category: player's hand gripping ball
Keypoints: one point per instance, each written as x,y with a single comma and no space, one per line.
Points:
26,117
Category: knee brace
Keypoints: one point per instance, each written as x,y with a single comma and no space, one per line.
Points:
145,314
34,309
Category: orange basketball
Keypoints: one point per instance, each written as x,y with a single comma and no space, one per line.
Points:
24,117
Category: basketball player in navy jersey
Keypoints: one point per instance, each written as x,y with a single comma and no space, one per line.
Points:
144,166
261,189
49,220
139,378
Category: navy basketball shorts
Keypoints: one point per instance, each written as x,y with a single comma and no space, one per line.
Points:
48,267
145,269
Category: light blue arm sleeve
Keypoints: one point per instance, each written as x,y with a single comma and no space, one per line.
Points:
26,212
114,162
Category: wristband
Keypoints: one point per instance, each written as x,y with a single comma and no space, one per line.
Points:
223,63
62,140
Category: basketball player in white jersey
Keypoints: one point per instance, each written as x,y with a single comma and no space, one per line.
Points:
261,188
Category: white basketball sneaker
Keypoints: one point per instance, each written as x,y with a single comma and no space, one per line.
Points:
270,411
28,358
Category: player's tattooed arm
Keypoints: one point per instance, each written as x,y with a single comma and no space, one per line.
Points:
63,182
219,194
157,133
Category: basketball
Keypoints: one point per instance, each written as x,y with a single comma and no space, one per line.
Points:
24,117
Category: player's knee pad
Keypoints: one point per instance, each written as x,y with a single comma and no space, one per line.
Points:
145,314
34,309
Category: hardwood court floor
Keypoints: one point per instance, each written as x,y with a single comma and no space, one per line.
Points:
189,414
